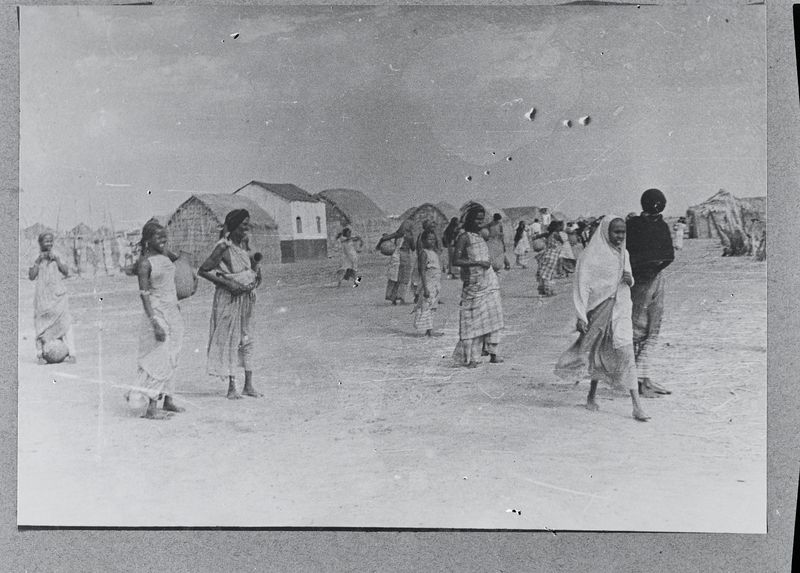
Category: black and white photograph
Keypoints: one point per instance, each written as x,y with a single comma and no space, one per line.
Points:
403,267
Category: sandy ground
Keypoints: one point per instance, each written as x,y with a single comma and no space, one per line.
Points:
365,424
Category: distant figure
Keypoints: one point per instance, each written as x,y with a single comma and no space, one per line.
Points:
497,244
161,330
602,298
230,342
416,280
401,264
546,217
566,262
522,245
51,316
449,242
348,270
480,317
116,253
649,242
679,228
77,248
548,258
430,284
536,228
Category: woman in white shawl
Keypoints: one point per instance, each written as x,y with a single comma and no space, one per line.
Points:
602,297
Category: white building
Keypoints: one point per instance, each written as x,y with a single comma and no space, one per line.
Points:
300,217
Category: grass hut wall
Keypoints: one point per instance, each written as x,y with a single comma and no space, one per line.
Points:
352,208
729,219
195,225
425,212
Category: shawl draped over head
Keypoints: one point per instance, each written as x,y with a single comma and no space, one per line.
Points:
233,219
598,277
469,210
520,231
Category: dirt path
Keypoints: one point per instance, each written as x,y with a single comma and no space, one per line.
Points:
364,424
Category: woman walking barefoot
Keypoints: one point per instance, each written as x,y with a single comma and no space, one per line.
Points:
480,317
161,330
602,297
50,303
230,340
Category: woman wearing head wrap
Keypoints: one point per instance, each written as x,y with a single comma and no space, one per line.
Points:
522,245
650,246
161,329
601,294
230,341
480,318
401,265
548,259
51,316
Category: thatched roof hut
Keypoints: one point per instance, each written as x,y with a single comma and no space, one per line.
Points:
81,230
195,225
32,233
427,211
352,208
735,222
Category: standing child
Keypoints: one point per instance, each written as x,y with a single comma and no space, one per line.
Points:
161,329
349,267
50,306
430,284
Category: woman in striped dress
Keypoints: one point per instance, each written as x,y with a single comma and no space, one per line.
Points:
481,312
548,260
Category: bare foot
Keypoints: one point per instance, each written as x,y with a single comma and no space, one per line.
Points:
495,359
169,406
646,392
234,396
157,415
591,405
639,414
252,393
472,364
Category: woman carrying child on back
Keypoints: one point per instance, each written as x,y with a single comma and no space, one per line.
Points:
161,329
602,298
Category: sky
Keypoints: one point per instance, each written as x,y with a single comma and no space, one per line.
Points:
125,111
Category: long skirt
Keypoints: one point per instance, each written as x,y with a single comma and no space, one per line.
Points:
397,289
157,361
648,311
423,312
230,341
593,354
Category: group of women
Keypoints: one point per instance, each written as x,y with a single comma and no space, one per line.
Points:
235,274
601,294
